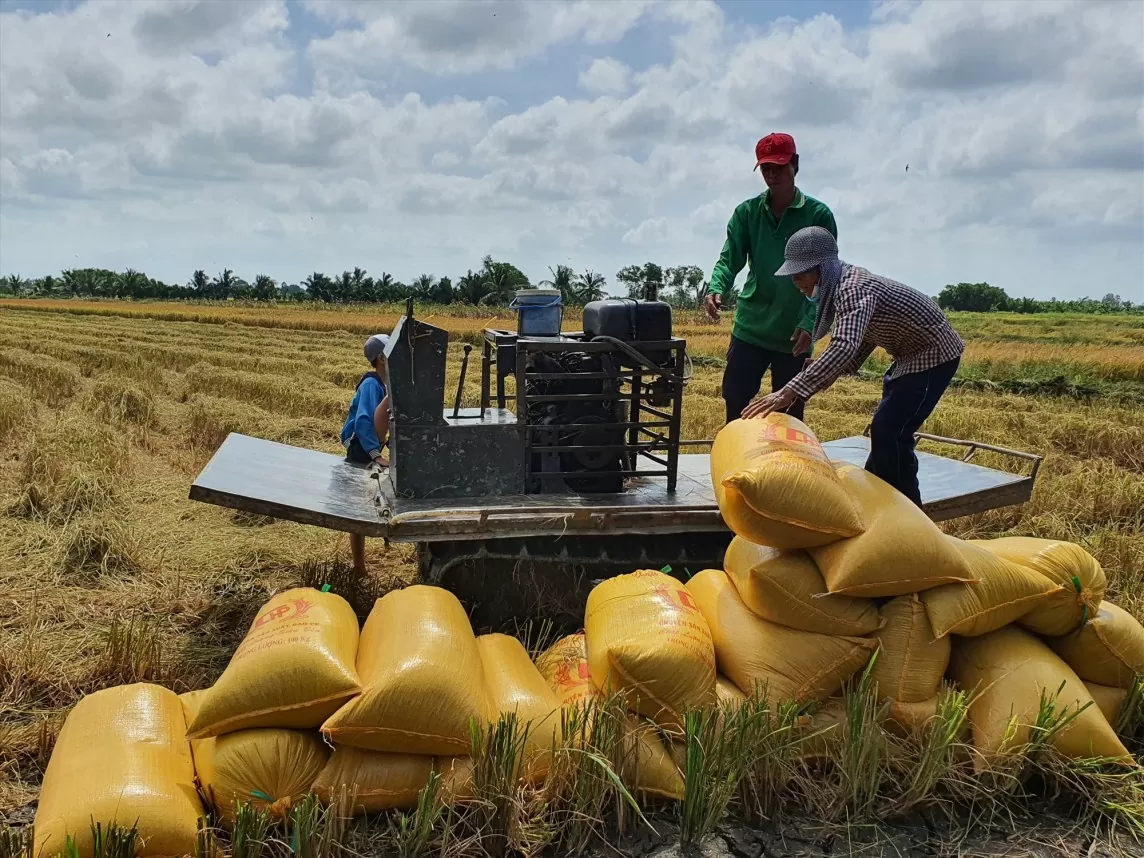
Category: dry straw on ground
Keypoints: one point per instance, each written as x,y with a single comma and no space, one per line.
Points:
107,411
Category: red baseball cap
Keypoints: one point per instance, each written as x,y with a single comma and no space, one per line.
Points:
774,149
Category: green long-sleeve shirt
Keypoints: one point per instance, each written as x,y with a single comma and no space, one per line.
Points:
770,308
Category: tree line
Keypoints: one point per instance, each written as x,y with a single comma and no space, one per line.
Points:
983,298
493,284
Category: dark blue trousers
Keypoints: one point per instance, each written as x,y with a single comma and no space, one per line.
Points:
906,403
743,377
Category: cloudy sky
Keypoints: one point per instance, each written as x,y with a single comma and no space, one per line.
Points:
288,136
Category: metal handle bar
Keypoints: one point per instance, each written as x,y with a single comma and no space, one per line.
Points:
974,446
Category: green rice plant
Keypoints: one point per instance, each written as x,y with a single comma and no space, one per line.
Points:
722,744
937,748
16,842
585,778
248,835
317,832
773,745
413,833
507,817
1130,724
861,766
110,841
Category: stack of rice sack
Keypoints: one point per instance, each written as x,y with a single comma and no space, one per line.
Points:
394,706
830,563
645,640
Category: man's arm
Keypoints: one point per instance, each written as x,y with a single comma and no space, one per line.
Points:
733,257
363,420
845,347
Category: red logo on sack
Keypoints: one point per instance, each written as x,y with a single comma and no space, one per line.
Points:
291,610
676,596
565,676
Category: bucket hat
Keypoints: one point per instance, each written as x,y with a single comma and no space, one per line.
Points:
806,249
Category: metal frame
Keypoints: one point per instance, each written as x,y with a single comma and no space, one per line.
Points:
974,446
510,354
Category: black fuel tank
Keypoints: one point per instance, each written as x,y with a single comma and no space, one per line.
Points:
628,320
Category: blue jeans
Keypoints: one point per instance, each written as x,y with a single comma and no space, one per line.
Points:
906,403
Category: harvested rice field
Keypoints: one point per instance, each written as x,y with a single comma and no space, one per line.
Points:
110,575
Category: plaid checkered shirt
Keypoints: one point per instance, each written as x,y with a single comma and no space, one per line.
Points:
872,311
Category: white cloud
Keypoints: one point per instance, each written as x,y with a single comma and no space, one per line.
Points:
459,36
651,231
605,75
172,135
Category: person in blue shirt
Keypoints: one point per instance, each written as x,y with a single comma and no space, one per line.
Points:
366,430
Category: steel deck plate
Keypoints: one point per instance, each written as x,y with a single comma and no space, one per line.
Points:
324,490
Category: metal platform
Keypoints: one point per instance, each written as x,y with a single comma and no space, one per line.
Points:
320,489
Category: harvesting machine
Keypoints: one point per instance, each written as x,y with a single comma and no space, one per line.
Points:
571,469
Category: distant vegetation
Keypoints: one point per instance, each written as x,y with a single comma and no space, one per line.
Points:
983,298
493,284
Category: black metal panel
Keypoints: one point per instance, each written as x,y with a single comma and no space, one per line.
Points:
473,456
417,353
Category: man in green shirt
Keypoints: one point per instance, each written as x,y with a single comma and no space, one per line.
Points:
773,320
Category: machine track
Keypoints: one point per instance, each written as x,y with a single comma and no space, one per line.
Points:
506,582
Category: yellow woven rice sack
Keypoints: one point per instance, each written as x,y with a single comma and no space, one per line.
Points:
905,719
752,652
564,666
822,735
728,693
1078,572
269,768
900,552
648,765
775,485
1002,593
786,587
421,675
1108,650
293,669
647,639
122,757
1008,671
911,662
391,781
1110,701
516,686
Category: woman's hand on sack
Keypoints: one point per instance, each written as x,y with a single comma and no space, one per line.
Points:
777,401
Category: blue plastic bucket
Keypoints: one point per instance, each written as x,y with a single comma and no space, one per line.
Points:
539,312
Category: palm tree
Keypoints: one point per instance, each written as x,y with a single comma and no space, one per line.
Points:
423,286
15,284
501,280
225,285
361,285
200,282
471,287
131,283
318,287
385,288
265,289
590,286
562,280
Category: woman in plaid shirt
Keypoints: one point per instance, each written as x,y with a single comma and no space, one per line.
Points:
868,311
